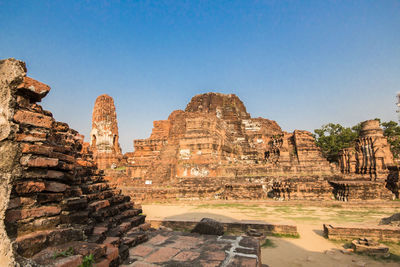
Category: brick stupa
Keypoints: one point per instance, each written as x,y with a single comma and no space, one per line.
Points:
104,135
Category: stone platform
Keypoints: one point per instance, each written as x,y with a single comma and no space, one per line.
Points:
237,227
380,233
167,248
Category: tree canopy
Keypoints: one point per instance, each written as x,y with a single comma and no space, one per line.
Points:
331,138
392,132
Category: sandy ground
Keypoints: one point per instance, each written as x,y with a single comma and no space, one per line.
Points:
311,249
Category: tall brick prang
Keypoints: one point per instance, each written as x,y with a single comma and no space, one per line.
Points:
104,135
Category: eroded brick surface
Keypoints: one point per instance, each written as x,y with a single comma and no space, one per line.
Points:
141,250
162,255
57,195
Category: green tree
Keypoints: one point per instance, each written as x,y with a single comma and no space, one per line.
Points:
331,138
392,132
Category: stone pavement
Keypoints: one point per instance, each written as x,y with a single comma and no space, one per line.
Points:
167,248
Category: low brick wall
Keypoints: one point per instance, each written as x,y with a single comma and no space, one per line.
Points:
230,227
381,233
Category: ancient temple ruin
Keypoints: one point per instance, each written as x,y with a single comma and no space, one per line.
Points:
53,198
104,135
216,137
216,150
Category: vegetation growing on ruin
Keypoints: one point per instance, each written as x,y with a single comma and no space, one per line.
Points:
332,138
392,132
66,253
87,261
285,235
268,243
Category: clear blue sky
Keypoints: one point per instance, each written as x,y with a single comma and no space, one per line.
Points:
301,63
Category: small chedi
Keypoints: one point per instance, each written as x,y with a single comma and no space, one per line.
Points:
56,207
104,135
370,156
366,167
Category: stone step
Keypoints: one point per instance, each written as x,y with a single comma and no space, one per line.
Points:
102,214
74,217
30,244
134,239
57,255
111,259
127,214
94,188
127,225
112,240
98,235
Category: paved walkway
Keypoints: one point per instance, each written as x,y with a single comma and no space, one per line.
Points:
167,248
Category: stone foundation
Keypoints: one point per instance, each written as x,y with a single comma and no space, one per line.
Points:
378,233
238,228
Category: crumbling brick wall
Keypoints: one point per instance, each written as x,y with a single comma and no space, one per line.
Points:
52,197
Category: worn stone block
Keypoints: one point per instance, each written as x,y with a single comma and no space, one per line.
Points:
33,89
27,187
15,215
99,205
38,161
55,187
161,255
31,137
32,118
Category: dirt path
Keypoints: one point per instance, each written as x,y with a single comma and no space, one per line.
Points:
311,249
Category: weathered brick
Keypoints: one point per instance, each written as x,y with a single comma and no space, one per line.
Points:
49,197
216,255
43,173
112,252
20,201
33,89
15,215
140,250
95,206
27,187
32,118
81,217
43,223
38,161
30,244
55,187
62,156
32,137
55,174
158,240
36,149
71,261
65,166
84,163
162,255
187,256
75,203
243,261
